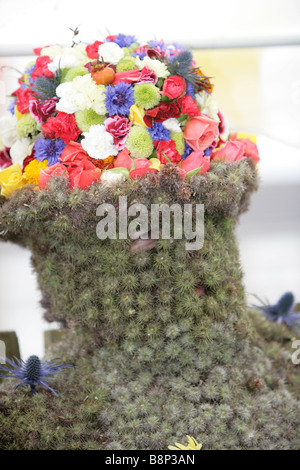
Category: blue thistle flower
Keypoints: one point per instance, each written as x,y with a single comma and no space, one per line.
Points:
32,372
119,99
282,311
47,149
159,132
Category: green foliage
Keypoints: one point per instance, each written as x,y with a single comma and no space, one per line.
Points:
161,339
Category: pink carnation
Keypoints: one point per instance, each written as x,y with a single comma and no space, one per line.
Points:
148,76
41,109
119,128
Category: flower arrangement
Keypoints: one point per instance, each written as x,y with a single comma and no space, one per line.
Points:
110,111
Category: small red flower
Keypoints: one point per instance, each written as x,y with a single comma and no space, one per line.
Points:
24,97
63,126
188,106
161,113
166,152
41,68
92,50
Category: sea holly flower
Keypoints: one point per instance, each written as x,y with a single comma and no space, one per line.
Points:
283,311
32,372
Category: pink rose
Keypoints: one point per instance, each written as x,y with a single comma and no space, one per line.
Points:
55,170
200,132
41,110
232,151
251,150
174,87
195,161
119,128
123,160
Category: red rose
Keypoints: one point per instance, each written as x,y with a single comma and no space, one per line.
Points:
196,163
174,87
167,149
123,160
161,113
63,126
84,175
24,97
92,50
72,155
188,106
41,68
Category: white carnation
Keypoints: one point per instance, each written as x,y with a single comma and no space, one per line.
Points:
110,52
98,143
63,62
8,130
20,150
153,64
80,94
208,105
172,125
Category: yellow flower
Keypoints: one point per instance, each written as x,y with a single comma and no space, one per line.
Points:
192,444
155,163
242,135
32,171
136,115
11,179
18,114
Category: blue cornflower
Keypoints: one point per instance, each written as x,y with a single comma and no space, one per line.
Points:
158,44
119,99
159,132
207,152
187,151
282,312
140,55
124,41
32,372
48,149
